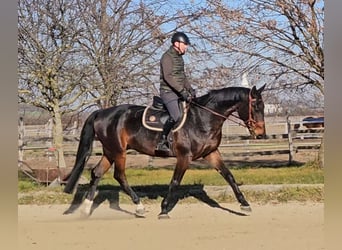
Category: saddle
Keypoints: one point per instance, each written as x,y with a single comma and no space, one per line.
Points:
155,115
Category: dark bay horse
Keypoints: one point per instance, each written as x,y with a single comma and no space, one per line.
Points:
120,128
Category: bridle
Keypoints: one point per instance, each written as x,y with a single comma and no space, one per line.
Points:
249,123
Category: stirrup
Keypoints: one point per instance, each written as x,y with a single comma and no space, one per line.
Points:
163,146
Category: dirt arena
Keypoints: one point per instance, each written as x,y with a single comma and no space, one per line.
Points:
191,226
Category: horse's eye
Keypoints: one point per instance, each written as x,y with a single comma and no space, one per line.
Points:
257,105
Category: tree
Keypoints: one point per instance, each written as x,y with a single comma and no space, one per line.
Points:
278,42
123,41
281,41
74,54
51,71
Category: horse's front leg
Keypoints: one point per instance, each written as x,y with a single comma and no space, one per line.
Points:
167,203
215,160
96,174
120,176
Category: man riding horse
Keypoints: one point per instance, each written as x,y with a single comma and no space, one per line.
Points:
174,84
120,128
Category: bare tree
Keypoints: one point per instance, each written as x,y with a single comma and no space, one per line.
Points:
281,41
278,41
123,41
51,71
72,54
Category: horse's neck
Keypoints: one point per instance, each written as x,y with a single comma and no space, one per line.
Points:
210,118
223,102
224,108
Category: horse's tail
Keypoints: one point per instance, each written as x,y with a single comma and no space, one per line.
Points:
83,153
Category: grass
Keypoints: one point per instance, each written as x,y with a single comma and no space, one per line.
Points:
247,176
34,193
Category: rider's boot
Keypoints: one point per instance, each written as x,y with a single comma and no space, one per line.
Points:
163,144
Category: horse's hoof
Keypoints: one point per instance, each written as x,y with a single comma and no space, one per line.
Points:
246,208
86,209
140,211
163,216
139,215
67,212
84,215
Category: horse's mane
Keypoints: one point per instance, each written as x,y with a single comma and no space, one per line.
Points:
225,94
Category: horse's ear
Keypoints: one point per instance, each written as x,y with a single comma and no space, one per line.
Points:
262,88
255,92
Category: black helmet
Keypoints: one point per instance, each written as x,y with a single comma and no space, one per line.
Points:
180,37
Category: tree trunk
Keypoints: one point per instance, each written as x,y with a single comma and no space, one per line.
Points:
58,138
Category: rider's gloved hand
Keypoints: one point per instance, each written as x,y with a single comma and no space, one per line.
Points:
192,92
185,95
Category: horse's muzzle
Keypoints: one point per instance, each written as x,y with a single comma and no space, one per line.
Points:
258,130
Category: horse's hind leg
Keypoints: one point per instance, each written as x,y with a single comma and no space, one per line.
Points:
120,176
96,174
215,160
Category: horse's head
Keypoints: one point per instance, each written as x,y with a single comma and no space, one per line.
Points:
251,112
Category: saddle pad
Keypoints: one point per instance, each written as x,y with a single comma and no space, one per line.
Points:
154,119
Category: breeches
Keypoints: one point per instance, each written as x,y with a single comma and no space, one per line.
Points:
171,102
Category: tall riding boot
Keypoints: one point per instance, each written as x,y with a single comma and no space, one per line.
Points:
163,144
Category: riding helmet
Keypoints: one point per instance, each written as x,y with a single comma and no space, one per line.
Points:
180,37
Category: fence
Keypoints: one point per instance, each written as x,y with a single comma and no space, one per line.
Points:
284,136
39,138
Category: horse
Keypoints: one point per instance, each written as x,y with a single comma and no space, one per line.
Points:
120,128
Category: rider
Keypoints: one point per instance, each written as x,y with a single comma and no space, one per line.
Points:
174,84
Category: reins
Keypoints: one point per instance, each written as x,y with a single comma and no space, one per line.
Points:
232,109
250,120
